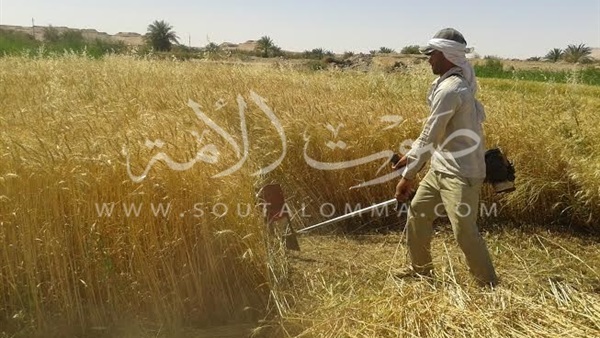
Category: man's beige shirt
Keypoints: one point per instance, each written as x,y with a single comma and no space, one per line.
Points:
452,136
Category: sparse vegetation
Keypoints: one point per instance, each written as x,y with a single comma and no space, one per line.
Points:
385,50
56,43
15,43
412,49
494,68
317,53
316,65
213,51
51,34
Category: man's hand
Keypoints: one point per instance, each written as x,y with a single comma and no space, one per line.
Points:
403,190
400,164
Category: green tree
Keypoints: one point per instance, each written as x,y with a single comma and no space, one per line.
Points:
577,53
277,51
385,50
554,54
160,36
212,48
412,49
348,54
317,53
212,51
266,47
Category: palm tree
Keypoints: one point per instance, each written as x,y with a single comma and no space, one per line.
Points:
265,45
161,36
577,53
277,51
212,50
554,54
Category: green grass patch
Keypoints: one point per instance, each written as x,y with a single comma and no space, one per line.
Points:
495,69
13,43
19,43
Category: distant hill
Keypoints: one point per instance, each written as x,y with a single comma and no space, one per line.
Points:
129,38
596,53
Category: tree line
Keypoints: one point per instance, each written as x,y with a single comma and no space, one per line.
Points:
573,53
161,37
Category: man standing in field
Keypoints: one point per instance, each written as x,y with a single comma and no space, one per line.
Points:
453,139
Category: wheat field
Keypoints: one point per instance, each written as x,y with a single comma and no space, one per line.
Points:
89,246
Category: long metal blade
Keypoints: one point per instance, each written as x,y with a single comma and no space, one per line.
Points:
349,215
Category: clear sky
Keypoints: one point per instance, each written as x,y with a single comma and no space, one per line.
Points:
508,28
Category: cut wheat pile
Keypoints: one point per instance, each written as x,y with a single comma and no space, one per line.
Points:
184,257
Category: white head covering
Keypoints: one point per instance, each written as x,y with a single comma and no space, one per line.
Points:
453,45
456,52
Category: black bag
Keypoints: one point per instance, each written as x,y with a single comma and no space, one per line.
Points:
499,171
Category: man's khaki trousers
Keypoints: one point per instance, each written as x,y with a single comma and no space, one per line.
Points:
442,194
